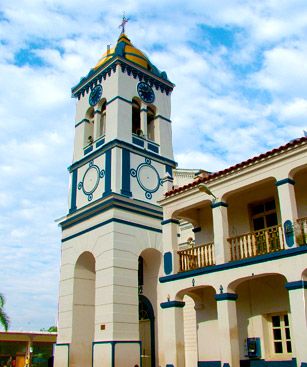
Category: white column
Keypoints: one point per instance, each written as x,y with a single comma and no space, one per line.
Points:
288,209
221,232
170,229
173,333
298,325
228,329
97,117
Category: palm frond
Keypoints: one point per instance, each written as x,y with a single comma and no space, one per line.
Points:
4,319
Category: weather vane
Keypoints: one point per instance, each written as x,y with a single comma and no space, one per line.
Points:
123,23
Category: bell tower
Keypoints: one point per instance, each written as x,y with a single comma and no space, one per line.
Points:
122,153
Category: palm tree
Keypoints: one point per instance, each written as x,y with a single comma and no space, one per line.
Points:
4,319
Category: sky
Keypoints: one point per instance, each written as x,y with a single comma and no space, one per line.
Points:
240,72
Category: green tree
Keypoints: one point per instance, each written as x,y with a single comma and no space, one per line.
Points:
4,319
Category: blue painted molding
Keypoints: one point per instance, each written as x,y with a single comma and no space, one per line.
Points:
143,109
169,365
100,142
300,284
88,149
169,170
304,364
94,77
122,144
196,229
168,263
111,203
73,197
162,118
264,363
236,264
171,304
226,297
81,122
108,171
209,364
285,181
125,190
112,220
167,221
98,112
120,98
218,204
138,141
153,147
289,233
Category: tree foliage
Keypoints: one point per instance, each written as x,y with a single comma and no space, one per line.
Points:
4,319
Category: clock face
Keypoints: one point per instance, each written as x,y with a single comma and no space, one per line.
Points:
95,95
146,92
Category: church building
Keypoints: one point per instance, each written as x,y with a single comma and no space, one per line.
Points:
170,267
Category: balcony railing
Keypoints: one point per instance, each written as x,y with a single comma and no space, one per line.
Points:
256,243
301,231
196,257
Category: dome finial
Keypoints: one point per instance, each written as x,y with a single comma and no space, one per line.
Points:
123,23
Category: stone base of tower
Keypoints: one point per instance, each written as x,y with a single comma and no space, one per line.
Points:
104,354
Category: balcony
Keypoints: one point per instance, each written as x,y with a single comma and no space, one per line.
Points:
196,257
256,243
301,231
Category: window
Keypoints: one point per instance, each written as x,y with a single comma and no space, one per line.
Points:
136,117
264,224
280,332
102,121
150,123
89,127
264,214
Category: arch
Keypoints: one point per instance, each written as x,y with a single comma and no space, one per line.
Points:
146,313
89,127
83,312
151,113
136,116
101,128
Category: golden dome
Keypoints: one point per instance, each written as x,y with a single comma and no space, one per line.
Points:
125,49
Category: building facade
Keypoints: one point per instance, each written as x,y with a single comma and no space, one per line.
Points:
166,267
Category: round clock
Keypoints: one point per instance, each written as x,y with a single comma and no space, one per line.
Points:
95,95
146,92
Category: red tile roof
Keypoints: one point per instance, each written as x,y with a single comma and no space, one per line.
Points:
291,144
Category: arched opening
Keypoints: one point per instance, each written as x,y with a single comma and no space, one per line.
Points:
149,263
263,313
147,331
151,123
200,322
136,117
89,127
102,120
83,312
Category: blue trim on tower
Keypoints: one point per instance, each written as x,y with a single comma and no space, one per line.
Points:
108,164
138,141
68,350
81,122
226,297
169,170
209,364
236,264
300,284
285,181
73,198
218,204
153,147
126,173
120,98
163,118
100,142
88,149
122,144
112,220
167,221
172,304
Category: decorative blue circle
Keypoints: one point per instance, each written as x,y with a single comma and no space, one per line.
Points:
90,168
148,195
80,185
139,169
133,172
90,197
147,160
102,173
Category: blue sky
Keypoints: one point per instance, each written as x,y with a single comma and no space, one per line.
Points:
240,74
